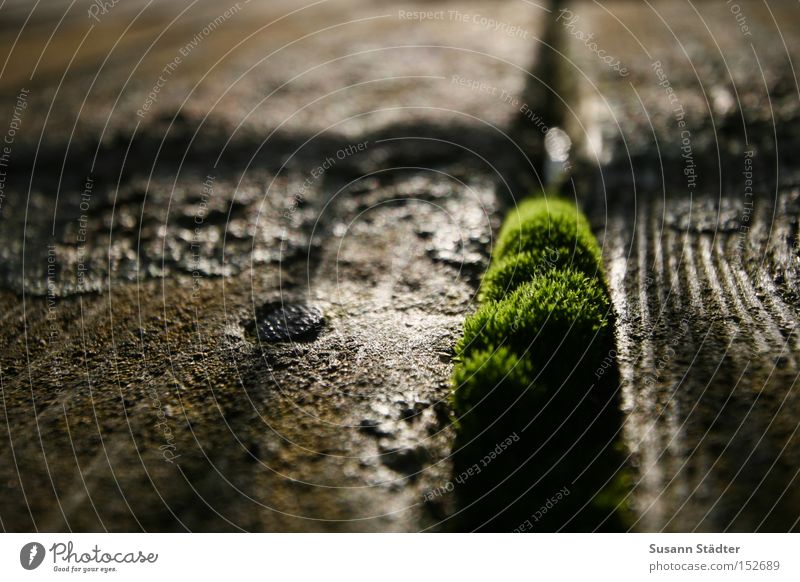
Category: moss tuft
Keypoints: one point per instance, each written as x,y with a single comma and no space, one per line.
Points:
557,313
552,230
490,382
526,367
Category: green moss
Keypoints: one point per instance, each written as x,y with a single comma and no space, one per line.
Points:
508,274
560,439
552,230
506,390
559,319
526,366
483,372
505,276
488,384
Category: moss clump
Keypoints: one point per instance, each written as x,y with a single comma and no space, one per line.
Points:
508,391
558,320
489,384
526,367
507,274
552,230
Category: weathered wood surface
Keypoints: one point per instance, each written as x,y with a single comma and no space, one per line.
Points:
697,205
